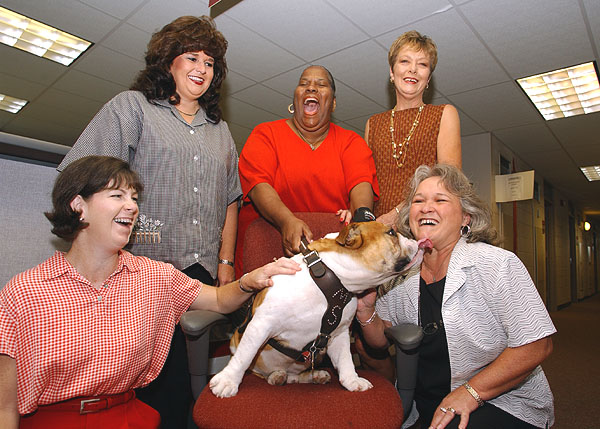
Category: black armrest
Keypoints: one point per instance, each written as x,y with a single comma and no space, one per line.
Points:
406,337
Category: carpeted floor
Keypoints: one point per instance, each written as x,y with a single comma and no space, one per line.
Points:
573,368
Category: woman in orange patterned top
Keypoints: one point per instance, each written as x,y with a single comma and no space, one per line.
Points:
412,133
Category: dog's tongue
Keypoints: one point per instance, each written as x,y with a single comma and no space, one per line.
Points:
425,243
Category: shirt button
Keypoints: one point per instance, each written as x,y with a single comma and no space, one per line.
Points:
195,157
99,298
195,189
196,255
195,221
192,131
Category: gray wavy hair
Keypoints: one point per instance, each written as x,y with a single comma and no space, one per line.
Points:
458,184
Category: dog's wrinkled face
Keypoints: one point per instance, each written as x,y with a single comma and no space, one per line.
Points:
375,251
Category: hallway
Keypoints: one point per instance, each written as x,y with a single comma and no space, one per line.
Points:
573,369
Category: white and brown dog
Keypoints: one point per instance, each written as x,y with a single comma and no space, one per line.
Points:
361,255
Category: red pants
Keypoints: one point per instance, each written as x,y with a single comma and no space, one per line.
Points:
133,414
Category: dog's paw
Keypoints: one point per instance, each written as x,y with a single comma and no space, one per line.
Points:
321,377
222,386
277,378
356,384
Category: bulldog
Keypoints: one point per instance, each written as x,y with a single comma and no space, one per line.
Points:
362,255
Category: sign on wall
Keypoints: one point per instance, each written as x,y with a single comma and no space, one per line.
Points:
514,187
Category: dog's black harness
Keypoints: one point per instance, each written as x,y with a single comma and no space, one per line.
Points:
337,298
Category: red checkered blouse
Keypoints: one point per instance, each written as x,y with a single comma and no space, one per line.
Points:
70,339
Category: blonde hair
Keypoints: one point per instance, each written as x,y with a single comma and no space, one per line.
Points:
458,184
417,41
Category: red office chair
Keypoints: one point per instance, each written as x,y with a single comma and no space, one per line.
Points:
260,405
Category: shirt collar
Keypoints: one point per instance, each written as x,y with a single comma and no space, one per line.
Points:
58,265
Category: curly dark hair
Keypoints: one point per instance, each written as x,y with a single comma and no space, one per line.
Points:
185,34
85,177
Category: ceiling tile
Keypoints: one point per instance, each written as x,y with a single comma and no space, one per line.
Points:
128,40
592,10
155,14
583,130
84,107
351,66
497,106
385,15
88,86
41,128
584,157
109,65
116,8
529,138
19,88
264,98
234,82
550,33
251,55
350,104
243,114
298,35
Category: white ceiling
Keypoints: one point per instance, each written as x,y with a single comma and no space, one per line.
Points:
483,46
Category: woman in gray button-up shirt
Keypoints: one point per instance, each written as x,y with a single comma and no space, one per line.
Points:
169,128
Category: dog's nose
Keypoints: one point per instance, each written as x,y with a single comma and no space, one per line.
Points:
401,263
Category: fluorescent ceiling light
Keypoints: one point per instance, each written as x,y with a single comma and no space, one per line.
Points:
39,39
566,92
592,172
11,104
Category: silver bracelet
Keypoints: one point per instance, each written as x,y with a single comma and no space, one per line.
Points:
368,321
226,262
242,288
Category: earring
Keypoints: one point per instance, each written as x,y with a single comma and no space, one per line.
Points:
291,109
391,79
465,231
81,219
427,87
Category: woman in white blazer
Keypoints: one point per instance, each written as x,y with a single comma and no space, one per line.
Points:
486,327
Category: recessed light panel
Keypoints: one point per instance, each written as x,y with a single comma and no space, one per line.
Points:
11,104
592,172
39,39
566,92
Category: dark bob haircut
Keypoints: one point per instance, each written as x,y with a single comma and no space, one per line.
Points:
85,177
185,34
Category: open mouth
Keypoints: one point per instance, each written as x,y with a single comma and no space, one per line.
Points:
428,222
124,221
410,80
311,106
197,80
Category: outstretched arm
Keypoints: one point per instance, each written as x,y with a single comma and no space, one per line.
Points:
448,143
9,412
266,200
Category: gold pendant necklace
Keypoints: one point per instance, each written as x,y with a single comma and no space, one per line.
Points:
402,149
313,146
187,114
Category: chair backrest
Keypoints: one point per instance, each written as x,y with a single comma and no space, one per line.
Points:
262,241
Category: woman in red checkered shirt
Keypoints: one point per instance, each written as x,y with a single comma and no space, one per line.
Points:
83,329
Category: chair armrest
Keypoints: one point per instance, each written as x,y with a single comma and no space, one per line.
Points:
407,338
195,322
196,325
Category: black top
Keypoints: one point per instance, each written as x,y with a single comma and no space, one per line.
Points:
433,374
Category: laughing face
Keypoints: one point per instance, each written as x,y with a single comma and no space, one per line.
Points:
411,72
436,213
110,214
314,101
193,72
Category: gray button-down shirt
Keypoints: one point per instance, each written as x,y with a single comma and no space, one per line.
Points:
189,172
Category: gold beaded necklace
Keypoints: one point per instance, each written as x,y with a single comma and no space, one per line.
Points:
402,148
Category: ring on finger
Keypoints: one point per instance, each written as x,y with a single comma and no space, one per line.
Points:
443,410
452,410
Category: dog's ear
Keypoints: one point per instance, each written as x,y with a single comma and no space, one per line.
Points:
350,236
